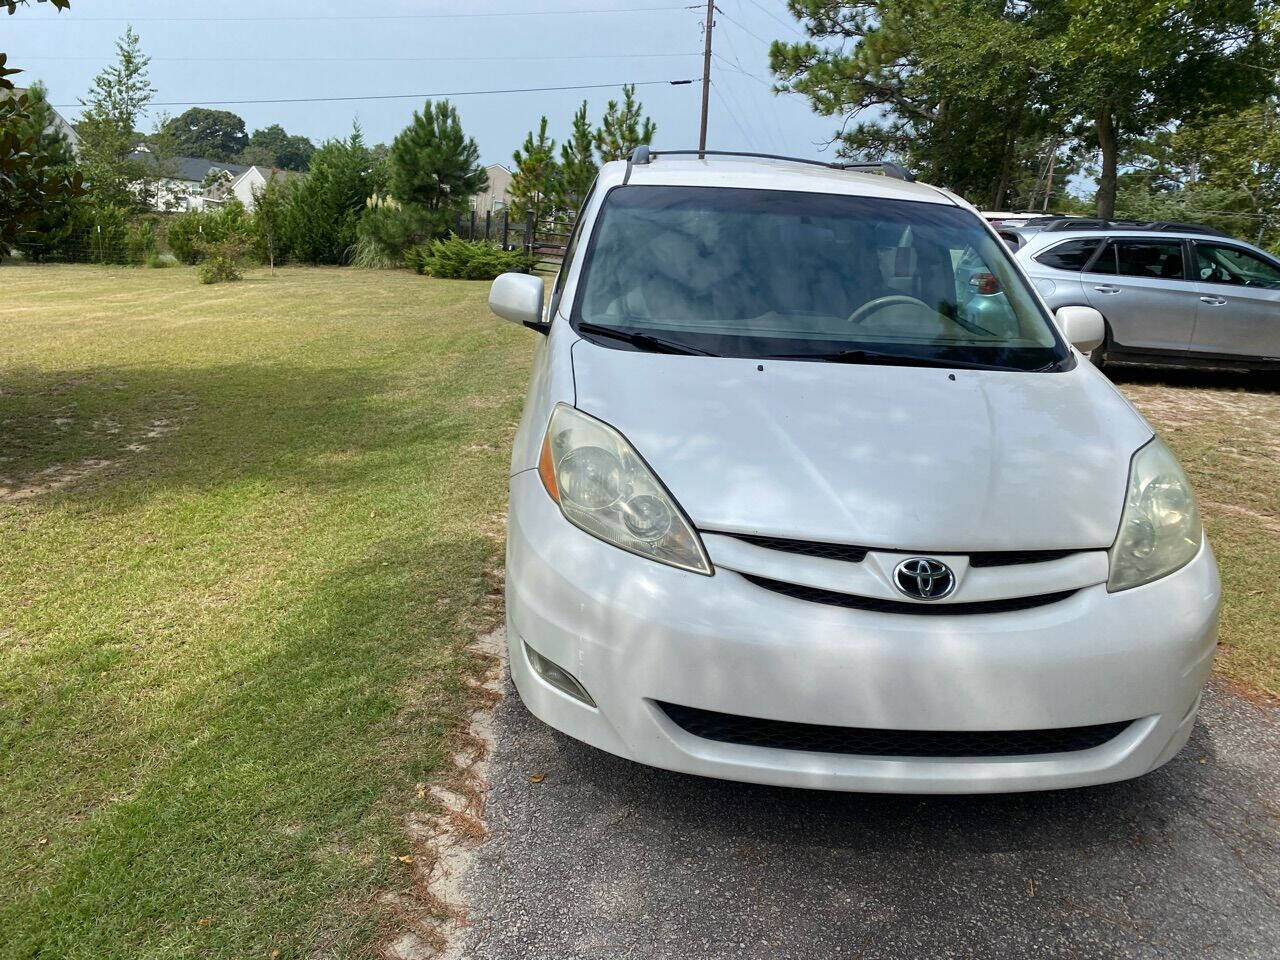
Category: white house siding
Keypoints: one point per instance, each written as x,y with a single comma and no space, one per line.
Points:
498,195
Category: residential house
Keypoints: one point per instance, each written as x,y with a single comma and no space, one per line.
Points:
180,181
246,186
498,194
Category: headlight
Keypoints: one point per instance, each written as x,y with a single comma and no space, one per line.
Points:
604,487
1160,528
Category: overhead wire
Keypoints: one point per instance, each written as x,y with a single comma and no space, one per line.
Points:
402,96
359,17
271,59
749,141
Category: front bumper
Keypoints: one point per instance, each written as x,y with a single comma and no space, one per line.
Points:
635,632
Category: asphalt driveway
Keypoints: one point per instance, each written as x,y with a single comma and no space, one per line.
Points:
603,858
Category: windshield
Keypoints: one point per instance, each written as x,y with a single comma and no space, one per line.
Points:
767,273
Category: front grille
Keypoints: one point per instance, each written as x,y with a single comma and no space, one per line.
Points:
1009,558
854,554
870,742
808,548
877,605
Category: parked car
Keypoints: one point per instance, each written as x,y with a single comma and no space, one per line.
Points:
780,513
1013,228
1169,293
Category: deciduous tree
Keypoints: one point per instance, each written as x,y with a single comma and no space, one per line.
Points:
1128,67
35,183
208,134
273,146
112,108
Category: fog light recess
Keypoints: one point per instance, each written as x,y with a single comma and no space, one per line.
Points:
557,676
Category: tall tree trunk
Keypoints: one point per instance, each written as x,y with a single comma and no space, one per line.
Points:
1107,178
1006,162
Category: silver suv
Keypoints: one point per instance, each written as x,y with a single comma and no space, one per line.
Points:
1170,293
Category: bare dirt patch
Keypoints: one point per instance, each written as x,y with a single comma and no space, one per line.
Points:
50,479
431,915
62,475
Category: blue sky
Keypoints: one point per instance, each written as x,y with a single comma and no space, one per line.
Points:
320,48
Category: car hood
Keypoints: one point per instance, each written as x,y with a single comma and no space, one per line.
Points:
905,458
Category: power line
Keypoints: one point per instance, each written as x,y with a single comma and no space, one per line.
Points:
745,30
360,17
399,96
761,7
745,73
737,66
747,138
592,56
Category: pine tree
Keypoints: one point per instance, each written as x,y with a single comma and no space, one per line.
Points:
623,129
578,167
434,165
536,185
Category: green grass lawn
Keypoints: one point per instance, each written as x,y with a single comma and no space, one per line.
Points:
231,647
248,532
1225,428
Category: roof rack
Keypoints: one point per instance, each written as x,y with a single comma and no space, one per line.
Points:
643,155
1167,226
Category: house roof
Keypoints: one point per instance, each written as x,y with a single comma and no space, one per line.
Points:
193,169
59,121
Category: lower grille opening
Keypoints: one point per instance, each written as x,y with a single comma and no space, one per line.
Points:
877,605
870,742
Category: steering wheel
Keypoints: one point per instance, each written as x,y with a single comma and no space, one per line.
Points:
879,303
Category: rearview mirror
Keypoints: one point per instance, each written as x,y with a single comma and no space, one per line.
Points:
518,297
1082,326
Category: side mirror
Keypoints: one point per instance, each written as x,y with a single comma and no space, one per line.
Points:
1082,326
518,297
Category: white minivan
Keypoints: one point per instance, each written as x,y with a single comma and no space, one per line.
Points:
786,508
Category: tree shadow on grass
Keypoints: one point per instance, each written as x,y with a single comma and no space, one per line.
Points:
258,816
202,426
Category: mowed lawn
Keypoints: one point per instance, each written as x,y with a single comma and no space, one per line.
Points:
1225,429
246,534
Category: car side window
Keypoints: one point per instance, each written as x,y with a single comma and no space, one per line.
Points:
1106,262
570,249
1231,265
1072,255
1149,259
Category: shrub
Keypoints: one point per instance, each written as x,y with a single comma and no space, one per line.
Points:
106,230
387,231
322,210
460,259
222,259
269,241
190,232
141,242
184,236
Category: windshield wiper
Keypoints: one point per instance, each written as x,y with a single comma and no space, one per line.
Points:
890,359
653,343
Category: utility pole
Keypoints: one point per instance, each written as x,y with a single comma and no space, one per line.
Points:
1048,190
706,75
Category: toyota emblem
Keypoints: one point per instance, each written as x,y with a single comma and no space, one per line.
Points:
923,578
